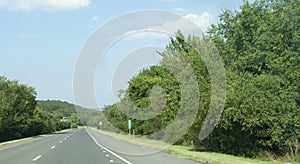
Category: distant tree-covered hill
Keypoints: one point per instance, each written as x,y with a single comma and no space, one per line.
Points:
86,117
59,108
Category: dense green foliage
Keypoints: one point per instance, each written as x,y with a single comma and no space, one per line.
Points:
59,110
22,116
166,108
17,104
139,90
260,46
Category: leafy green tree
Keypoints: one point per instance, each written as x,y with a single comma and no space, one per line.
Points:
20,116
17,103
260,48
74,120
164,112
42,122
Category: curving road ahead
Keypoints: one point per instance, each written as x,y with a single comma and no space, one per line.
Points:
82,146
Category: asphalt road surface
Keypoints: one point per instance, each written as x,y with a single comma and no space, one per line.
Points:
82,146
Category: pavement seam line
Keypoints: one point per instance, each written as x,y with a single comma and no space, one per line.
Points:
116,155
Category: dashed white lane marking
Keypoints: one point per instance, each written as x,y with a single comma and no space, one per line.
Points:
36,158
116,155
65,138
52,147
60,141
103,151
111,161
107,155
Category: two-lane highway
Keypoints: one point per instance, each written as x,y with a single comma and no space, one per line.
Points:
72,147
82,146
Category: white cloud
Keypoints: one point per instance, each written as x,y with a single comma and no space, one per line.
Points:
95,18
142,34
180,10
93,21
184,24
203,21
190,24
46,5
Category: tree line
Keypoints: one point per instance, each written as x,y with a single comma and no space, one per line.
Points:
260,47
21,115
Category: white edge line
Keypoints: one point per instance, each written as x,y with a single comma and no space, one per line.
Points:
36,158
116,155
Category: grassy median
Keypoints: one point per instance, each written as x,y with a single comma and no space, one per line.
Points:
186,151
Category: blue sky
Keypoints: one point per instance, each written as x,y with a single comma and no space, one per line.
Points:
40,40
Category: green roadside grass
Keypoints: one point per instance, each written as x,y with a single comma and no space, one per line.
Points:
186,151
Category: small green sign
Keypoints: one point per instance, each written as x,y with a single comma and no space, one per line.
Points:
129,124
